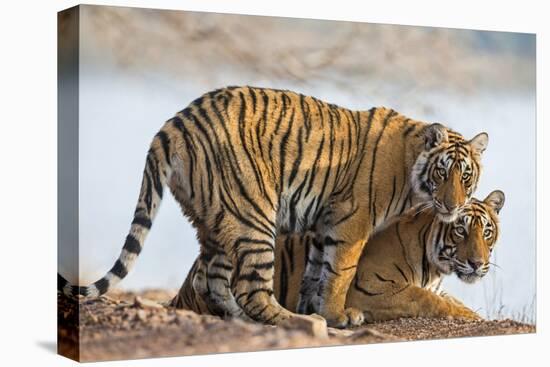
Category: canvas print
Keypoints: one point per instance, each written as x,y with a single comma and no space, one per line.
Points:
233,183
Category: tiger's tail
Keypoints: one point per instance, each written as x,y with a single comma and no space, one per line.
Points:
156,174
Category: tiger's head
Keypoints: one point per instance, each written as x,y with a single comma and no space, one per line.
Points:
464,245
446,172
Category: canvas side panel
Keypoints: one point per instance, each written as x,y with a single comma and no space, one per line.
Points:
67,170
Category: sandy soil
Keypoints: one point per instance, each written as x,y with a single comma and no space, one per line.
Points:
129,325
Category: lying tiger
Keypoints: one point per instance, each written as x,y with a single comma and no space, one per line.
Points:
401,269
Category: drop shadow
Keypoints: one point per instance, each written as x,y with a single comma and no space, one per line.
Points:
50,346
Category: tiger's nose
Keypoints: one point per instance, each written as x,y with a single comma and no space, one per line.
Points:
475,264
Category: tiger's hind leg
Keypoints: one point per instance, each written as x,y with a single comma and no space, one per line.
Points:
212,282
250,246
252,281
308,301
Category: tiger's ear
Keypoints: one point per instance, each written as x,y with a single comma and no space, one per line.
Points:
479,142
495,200
434,135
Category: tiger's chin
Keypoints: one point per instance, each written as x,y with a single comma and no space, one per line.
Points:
447,217
468,278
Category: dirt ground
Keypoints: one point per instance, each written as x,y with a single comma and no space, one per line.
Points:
128,325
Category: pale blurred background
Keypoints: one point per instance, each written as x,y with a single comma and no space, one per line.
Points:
138,67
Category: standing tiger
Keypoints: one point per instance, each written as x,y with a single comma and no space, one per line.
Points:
246,164
400,270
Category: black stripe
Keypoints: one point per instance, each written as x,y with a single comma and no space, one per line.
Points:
223,266
297,160
155,172
264,265
402,272
283,288
197,122
222,121
408,130
363,290
132,245
316,164
305,113
362,149
119,269
282,151
255,206
329,267
244,145
373,205
253,276
255,315
245,221
401,290
347,216
373,164
148,191
328,171
425,264
102,285
142,221
265,99
382,279
243,254
211,248
165,143
190,150
84,291
252,293
198,101
293,204
210,177
329,241
268,321
212,275
252,94
404,252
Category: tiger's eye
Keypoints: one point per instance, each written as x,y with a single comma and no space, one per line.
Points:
460,231
487,233
466,176
441,172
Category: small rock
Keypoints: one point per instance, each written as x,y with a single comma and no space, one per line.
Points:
94,319
313,325
141,315
340,332
146,303
370,333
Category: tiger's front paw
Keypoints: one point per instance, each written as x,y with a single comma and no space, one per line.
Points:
348,318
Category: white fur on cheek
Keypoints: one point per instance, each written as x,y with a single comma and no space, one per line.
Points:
416,180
